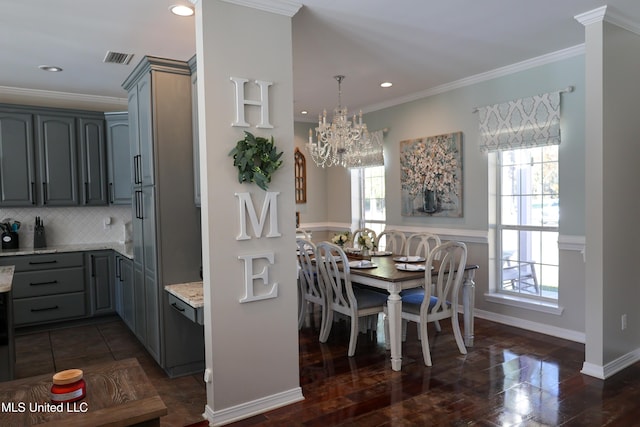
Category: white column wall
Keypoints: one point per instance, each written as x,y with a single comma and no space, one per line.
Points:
251,348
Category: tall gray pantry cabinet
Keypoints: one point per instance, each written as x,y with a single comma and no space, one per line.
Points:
166,223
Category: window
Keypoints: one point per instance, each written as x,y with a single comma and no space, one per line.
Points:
527,226
368,195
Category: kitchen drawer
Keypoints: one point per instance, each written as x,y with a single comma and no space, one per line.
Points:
49,308
48,282
185,309
46,261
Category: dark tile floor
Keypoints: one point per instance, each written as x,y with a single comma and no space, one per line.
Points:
42,352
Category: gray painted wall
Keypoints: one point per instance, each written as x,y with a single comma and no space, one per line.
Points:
451,111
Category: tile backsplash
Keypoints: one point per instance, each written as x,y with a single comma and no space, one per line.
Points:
66,226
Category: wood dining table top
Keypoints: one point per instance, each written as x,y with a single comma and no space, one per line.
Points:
386,268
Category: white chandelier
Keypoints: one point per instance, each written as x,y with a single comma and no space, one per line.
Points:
340,142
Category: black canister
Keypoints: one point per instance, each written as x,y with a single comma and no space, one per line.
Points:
10,240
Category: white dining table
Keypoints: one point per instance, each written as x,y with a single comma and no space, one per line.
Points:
387,277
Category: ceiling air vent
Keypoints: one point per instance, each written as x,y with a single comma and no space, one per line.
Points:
117,58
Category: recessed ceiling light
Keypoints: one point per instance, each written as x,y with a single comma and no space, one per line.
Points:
303,112
386,84
181,10
51,68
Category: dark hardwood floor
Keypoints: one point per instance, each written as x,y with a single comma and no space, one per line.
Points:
511,377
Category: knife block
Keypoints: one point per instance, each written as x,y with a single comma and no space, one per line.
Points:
39,240
10,240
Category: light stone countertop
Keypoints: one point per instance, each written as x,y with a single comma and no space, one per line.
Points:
124,249
191,293
6,278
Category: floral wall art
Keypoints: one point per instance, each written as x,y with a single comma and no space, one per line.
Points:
431,176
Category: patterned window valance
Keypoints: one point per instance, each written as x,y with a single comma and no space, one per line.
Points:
522,123
370,156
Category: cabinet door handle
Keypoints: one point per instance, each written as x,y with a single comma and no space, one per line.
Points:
35,310
118,267
137,173
44,193
42,262
51,282
33,193
111,195
135,169
174,305
139,210
141,205
137,204
121,276
93,266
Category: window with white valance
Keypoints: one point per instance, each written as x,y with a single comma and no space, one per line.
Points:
524,135
521,123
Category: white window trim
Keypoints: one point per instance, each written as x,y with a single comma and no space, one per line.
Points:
500,295
524,302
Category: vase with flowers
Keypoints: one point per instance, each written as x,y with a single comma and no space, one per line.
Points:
341,239
365,243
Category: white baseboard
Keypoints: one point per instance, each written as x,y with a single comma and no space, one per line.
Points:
255,407
554,331
613,367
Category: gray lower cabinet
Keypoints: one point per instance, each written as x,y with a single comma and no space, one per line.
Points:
100,277
124,290
48,288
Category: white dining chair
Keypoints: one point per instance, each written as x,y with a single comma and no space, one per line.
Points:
392,241
360,231
439,301
310,288
302,233
421,244
342,297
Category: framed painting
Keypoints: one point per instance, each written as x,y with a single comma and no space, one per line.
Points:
431,176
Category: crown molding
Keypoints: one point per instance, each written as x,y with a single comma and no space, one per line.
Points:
610,15
591,16
281,7
72,98
482,77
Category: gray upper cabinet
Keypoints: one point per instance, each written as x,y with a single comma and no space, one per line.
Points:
118,154
17,166
141,132
52,157
93,162
57,153
194,121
